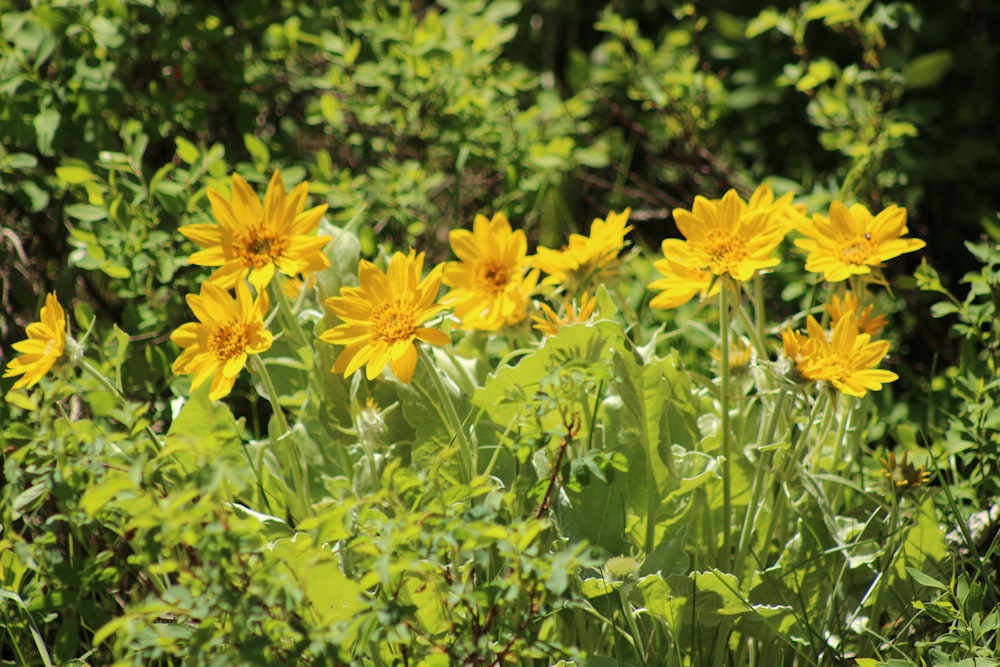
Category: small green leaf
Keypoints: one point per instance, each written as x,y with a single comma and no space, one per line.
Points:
86,212
927,70
116,270
21,161
186,150
925,579
258,151
46,123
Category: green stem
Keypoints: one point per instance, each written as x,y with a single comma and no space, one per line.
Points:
757,491
795,454
292,324
633,629
285,446
467,461
117,393
727,445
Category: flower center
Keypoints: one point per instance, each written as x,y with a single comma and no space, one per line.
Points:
493,276
260,247
230,340
725,250
858,251
393,321
838,367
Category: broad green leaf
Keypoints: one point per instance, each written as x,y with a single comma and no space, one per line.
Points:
587,345
202,427
99,495
331,594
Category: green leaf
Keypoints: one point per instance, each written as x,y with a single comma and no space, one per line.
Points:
329,106
99,495
330,593
115,270
258,151
46,123
927,70
925,579
200,429
589,345
86,212
187,151
832,12
21,161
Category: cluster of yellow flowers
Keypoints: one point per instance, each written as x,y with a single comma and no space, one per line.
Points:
494,281
248,245
732,239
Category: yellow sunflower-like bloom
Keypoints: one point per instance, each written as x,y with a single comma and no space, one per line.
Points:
721,237
218,345
382,317
252,241
549,322
585,258
489,286
848,361
724,237
853,242
867,322
43,347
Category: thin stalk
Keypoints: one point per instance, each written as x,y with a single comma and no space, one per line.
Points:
757,491
292,324
841,432
285,445
727,445
630,620
800,444
468,462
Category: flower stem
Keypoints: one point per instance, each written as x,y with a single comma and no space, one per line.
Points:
285,446
757,491
467,460
292,323
727,446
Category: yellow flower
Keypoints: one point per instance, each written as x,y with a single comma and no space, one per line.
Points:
252,241
782,212
227,331
549,321
490,288
585,258
867,323
847,361
44,346
679,284
724,237
382,317
853,242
